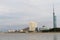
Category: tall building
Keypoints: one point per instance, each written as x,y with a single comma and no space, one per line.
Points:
32,26
54,18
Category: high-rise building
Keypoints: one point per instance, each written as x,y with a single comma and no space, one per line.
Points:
32,26
54,18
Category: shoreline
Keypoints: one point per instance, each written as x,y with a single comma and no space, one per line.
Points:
31,33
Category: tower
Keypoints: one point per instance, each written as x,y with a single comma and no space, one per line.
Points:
54,18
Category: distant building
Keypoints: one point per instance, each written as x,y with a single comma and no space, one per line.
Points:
11,30
21,30
24,30
32,26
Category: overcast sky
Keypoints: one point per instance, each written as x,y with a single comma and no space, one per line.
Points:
22,11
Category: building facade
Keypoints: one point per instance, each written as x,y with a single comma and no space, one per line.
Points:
32,26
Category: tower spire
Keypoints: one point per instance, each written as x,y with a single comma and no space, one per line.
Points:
53,9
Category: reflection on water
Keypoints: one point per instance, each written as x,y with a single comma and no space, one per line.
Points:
55,37
30,36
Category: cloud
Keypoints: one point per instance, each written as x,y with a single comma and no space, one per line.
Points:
22,11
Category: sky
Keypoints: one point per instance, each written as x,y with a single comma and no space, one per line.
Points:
17,12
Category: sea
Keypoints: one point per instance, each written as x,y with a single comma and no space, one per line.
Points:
29,36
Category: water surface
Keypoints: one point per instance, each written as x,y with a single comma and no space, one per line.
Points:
30,36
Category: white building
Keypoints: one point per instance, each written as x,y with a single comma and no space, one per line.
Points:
11,30
44,28
32,26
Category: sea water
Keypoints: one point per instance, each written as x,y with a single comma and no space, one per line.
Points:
30,36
